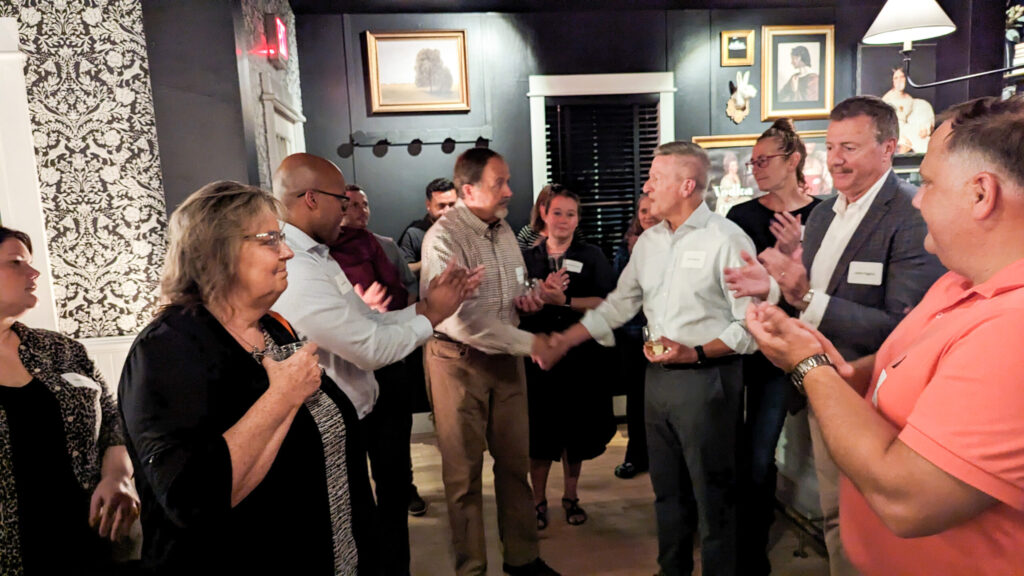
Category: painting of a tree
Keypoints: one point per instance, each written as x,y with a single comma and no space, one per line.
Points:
431,73
418,71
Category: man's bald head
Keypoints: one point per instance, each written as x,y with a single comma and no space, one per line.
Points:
300,172
313,190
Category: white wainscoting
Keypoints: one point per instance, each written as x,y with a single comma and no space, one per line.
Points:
109,354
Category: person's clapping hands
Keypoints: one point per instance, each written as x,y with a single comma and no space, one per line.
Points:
376,296
789,272
448,290
785,341
749,280
787,231
552,289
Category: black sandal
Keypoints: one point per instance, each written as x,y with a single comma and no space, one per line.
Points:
574,515
542,514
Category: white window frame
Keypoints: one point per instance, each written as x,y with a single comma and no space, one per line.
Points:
551,86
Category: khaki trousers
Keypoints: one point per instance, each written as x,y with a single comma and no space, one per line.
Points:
479,403
828,496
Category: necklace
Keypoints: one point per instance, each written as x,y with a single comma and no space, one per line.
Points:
254,351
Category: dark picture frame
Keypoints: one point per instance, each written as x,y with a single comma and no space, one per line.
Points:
737,48
420,71
797,71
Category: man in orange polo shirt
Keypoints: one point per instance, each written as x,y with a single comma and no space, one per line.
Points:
929,432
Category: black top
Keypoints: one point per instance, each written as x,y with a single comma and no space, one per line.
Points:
596,278
411,240
61,423
185,382
754,218
53,509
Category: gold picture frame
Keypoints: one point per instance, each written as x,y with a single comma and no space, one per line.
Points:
735,43
797,71
743,140
418,71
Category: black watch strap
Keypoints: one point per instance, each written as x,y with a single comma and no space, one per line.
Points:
701,357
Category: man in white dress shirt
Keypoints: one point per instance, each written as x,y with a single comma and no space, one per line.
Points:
864,250
322,305
694,388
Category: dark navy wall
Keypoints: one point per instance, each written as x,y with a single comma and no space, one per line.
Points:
505,49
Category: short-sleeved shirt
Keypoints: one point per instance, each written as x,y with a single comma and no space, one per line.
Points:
949,378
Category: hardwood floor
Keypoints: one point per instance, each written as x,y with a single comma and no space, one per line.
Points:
618,539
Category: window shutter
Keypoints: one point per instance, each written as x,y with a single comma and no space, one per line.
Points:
601,149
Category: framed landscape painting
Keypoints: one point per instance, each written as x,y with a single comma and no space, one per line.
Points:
797,71
421,71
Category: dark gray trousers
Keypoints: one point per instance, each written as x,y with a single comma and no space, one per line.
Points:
693,419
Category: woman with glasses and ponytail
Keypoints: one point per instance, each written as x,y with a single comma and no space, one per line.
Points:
774,219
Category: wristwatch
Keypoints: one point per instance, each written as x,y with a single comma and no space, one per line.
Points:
808,296
806,365
701,357
568,300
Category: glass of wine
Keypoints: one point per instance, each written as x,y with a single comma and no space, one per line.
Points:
652,340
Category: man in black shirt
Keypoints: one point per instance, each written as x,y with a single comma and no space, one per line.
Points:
440,198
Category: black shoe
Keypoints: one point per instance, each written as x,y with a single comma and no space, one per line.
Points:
535,568
627,470
417,506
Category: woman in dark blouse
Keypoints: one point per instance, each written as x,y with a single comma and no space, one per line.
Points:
65,477
771,220
571,406
247,459
629,343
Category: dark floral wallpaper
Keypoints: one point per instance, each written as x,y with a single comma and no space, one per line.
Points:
95,140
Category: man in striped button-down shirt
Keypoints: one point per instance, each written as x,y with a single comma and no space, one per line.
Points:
475,369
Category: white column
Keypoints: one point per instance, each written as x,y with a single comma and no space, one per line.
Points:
20,204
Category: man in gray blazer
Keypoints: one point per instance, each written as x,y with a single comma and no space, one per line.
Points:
863,264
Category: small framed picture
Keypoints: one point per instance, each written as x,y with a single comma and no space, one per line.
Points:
421,71
737,48
797,71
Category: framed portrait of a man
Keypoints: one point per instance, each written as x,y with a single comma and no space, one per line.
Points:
797,71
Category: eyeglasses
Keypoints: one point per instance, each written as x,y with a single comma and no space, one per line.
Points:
762,161
342,197
271,239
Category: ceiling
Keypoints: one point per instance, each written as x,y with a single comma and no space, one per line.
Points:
407,6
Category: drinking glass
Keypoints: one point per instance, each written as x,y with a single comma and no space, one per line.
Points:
652,340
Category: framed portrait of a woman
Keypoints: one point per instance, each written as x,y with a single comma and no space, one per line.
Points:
797,71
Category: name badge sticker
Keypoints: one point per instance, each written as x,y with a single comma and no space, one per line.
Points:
520,278
865,273
574,266
344,286
693,259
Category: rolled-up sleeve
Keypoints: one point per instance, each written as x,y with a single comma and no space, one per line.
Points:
164,393
735,335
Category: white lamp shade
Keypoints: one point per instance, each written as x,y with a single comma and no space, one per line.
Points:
908,21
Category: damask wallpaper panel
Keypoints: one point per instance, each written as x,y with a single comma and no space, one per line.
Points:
95,141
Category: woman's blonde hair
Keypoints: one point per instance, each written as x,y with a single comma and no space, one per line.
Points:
205,236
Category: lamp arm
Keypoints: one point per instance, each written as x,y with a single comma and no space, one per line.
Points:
912,84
